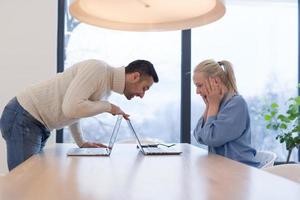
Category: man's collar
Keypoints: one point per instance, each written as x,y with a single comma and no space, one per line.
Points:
118,79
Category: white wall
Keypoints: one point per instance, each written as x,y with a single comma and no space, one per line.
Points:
28,32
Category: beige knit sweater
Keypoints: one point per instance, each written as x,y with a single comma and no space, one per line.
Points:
77,92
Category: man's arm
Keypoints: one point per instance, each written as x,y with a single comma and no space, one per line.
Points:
77,133
78,137
89,79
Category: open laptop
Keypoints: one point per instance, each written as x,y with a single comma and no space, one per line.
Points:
99,151
151,150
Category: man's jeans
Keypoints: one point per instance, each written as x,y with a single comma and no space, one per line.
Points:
24,135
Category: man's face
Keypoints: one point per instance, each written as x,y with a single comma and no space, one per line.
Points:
137,86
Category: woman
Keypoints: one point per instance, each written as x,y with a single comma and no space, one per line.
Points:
225,124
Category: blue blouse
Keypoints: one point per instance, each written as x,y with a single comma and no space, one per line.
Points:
228,133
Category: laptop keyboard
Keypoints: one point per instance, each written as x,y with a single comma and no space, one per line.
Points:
155,150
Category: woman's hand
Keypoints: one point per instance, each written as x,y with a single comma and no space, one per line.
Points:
204,98
214,92
206,107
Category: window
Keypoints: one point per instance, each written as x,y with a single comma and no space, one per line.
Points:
262,45
157,115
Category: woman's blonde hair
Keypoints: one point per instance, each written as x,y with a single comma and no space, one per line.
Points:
222,69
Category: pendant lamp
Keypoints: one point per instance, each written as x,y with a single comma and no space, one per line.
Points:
147,15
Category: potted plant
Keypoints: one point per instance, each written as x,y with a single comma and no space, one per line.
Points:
287,124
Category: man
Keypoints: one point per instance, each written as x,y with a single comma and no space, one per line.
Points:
78,92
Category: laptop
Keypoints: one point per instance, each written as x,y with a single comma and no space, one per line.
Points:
99,151
151,149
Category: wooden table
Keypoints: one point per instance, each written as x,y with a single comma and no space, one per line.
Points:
128,175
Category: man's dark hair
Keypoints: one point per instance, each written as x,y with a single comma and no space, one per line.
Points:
144,67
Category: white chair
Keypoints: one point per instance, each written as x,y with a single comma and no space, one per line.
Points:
267,158
289,171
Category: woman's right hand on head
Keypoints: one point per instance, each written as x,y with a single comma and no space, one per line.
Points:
115,110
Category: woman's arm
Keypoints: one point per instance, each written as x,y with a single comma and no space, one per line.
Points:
227,126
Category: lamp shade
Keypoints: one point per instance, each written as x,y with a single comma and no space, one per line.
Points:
147,15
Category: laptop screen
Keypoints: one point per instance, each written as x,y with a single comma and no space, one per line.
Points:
135,134
115,131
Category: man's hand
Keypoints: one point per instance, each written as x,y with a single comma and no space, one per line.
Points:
115,110
92,145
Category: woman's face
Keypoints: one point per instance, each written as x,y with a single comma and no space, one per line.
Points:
199,81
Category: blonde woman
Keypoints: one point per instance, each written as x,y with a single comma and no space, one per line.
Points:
225,124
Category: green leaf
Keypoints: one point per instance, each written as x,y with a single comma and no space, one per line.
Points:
296,129
283,126
292,117
294,108
283,118
274,105
297,99
267,117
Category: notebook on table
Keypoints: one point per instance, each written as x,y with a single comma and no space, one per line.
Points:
151,149
99,151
